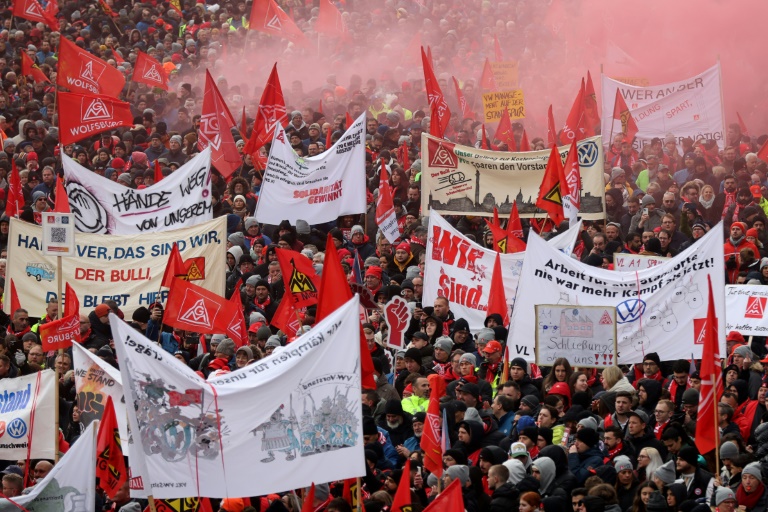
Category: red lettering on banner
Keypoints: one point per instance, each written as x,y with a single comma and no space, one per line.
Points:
453,250
89,274
468,296
130,274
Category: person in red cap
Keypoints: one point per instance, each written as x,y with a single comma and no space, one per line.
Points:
373,279
403,257
732,249
491,369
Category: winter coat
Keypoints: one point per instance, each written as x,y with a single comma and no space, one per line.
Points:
504,498
580,463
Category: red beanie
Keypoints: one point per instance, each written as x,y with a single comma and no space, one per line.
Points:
741,225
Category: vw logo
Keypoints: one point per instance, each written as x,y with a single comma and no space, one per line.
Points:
17,428
630,311
588,153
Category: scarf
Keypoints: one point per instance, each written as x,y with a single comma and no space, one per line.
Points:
658,429
615,452
265,304
750,499
737,241
470,378
706,204
730,198
490,371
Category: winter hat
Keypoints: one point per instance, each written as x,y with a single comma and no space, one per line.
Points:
263,333
273,341
374,271
467,357
666,473
250,222
588,436
728,450
444,343
176,138
458,472
237,504
743,351
691,397
226,347
648,199
302,227
471,389
237,239
253,280
238,197
753,468
322,491
616,172
640,414
547,434
724,494
102,310
357,229
413,353
531,433
519,361
141,315
247,350
589,422
622,463
419,417
531,401
652,356
657,503
485,334
38,195
393,406
369,426
741,225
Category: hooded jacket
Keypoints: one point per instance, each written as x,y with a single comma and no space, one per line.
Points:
580,463
653,390
505,498
564,478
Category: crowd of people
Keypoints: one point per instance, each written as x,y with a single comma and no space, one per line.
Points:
556,438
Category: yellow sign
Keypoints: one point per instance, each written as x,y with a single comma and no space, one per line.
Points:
494,104
505,73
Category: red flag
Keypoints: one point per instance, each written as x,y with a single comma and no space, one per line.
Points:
551,130
524,144
386,218
572,171
193,308
52,8
514,225
271,113
742,126
329,21
335,292
158,171
61,333
487,81
590,105
215,131
110,464
268,17
84,115
466,113
174,267
450,500
107,9
149,71
497,49
118,58
431,438
484,140
550,195
429,55
286,319
504,131
497,299
349,493
348,121
707,431
402,501
762,154
236,328
402,155
176,6
61,205
621,113
576,126
80,71
499,236
29,68
328,138
301,281
15,304
14,203
32,11
71,304
309,499
438,105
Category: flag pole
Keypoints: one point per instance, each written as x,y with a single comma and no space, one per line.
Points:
151,500
56,368
359,495
717,424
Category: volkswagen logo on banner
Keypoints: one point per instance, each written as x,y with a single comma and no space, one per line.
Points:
588,153
17,428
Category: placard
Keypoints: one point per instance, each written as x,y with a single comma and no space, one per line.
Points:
745,307
505,74
630,262
494,104
585,335
58,234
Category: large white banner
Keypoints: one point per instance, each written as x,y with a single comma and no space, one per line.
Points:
95,381
22,398
125,268
745,307
689,108
462,180
315,188
293,417
69,487
460,270
660,309
104,206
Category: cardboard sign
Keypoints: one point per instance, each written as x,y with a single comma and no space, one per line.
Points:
494,104
585,335
745,307
505,74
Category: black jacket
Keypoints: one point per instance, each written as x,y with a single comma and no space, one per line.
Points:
504,498
647,440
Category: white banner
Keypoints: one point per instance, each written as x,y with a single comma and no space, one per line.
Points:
211,438
689,108
460,270
19,398
462,180
125,268
95,380
103,206
317,188
660,309
745,307
69,487
631,262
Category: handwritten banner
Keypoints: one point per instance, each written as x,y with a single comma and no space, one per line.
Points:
103,206
585,335
745,307
630,262
505,74
494,104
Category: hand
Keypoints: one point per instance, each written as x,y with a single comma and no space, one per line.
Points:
402,450
418,481
397,315
486,405
19,357
573,449
157,314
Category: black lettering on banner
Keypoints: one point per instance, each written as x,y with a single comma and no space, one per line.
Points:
194,181
131,200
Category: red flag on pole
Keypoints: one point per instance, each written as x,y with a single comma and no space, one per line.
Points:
268,17
286,319
466,112
236,328
514,225
14,203
524,144
29,68
320,106
431,444
487,80
330,22
484,141
82,72
309,499
15,304
504,131
61,333
149,71
550,194
348,121
450,500
193,308
505,369
110,464
85,115
497,49
497,299
158,171
762,153
328,138
621,113
301,281
742,125
575,125
215,131
707,431
438,106
592,117
61,205
270,114
551,130
402,501
71,303
32,11
174,267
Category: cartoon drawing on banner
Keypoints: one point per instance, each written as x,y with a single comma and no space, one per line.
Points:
586,335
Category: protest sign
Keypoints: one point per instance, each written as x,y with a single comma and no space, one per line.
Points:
307,421
462,180
585,335
125,268
24,400
631,262
460,270
316,188
505,74
654,307
632,80
692,107
494,104
745,307
70,486
103,206
95,380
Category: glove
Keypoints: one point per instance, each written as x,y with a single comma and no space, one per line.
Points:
19,357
